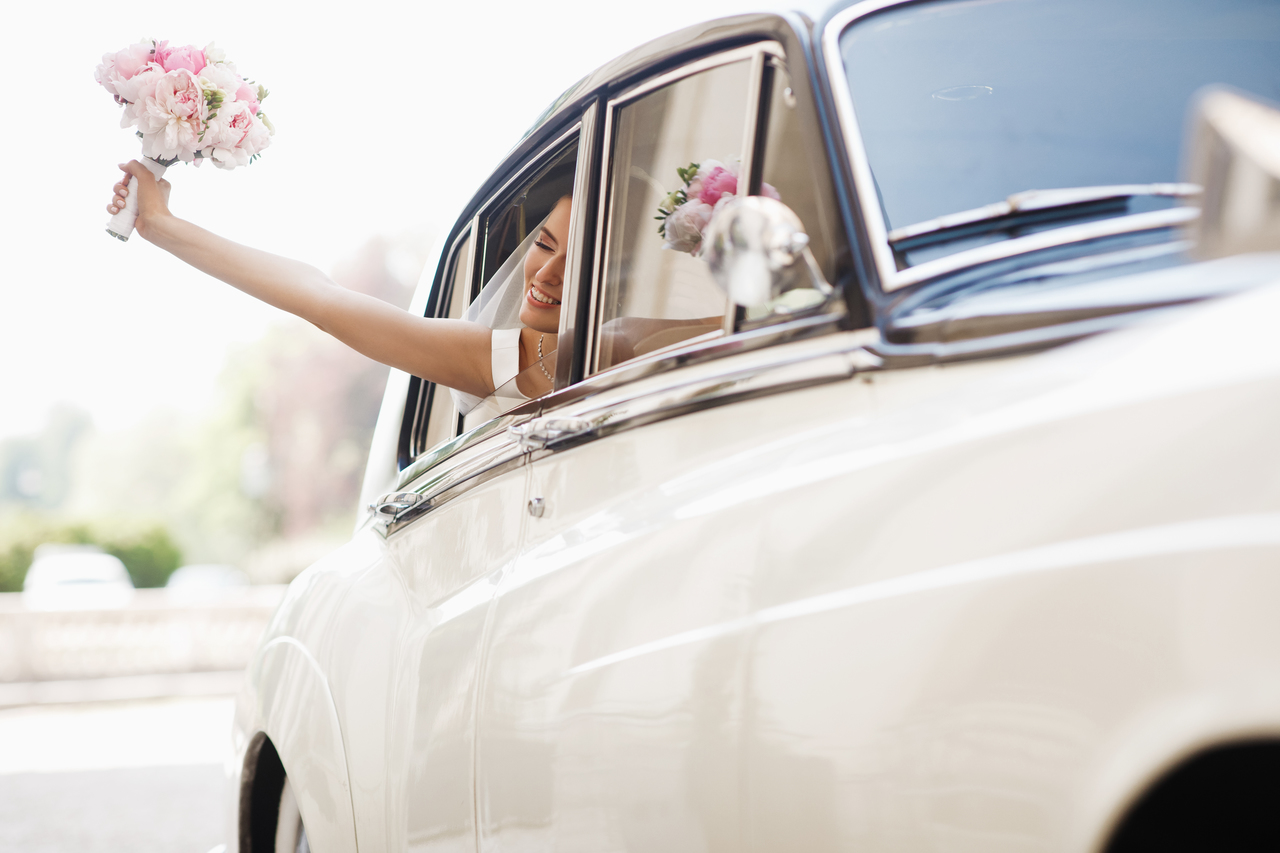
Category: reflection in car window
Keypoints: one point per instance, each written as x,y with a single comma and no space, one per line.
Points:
962,104
795,166
651,297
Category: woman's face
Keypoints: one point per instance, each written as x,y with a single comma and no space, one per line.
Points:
544,272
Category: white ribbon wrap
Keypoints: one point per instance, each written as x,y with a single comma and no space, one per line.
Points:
120,226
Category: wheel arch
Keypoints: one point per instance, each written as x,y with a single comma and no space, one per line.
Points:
1221,796
298,735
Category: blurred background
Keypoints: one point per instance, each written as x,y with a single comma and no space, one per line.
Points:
153,419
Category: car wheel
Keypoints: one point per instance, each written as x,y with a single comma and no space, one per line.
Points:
291,835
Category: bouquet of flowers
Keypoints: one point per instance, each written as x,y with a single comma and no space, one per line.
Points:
188,104
686,212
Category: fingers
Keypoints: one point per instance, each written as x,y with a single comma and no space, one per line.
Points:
138,171
120,191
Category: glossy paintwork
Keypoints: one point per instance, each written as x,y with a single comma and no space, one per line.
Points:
975,606
580,748
451,561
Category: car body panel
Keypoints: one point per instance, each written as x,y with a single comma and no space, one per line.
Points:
450,561
1013,659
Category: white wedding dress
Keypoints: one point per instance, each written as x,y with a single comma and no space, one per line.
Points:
506,366
498,307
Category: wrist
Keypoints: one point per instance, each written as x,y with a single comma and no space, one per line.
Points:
156,228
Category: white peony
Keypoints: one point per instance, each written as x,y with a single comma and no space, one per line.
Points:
683,231
172,117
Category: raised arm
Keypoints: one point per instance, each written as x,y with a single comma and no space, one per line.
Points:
454,353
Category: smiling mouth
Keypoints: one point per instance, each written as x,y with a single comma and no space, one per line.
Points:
538,296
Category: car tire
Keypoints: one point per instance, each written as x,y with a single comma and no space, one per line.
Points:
291,835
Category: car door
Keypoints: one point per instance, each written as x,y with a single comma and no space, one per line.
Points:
611,707
452,526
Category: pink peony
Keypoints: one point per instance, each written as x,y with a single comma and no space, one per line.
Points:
185,58
118,68
249,95
768,191
134,58
172,117
135,91
683,231
718,183
106,72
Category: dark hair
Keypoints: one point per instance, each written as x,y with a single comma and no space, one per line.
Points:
551,186
527,207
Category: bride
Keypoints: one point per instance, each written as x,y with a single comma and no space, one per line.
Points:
507,334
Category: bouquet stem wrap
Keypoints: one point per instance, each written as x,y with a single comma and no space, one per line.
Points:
120,226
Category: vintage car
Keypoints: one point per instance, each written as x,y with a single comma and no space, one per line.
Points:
922,494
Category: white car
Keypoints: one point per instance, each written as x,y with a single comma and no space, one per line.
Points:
933,504
75,577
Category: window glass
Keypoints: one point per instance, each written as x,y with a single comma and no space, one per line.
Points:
442,420
652,297
796,168
963,104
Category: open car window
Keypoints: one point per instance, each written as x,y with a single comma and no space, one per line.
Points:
486,282
521,279
441,415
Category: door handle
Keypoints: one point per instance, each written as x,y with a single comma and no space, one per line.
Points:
544,432
387,507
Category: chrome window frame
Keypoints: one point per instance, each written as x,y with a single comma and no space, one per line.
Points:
448,276
892,278
757,54
575,249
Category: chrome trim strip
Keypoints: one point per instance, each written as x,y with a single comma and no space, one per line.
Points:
471,257
749,374
604,241
715,60
1149,221
1041,200
891,278
748,155
877,233
454,489
694,351
574,249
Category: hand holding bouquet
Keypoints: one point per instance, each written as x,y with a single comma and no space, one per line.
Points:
187,104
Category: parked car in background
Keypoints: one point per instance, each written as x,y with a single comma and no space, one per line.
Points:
75,577
932,504
200,583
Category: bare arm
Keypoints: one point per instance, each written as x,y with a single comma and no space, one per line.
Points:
452,352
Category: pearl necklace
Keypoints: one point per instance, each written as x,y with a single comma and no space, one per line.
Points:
540,357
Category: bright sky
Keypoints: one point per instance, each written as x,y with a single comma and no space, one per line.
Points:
389,115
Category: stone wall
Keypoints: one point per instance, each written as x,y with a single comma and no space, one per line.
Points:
154,635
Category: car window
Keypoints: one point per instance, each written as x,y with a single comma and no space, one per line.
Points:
650,296
962,105
485,282
795,170
442,420
525,228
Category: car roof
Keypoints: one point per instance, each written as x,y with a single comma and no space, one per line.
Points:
794,21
